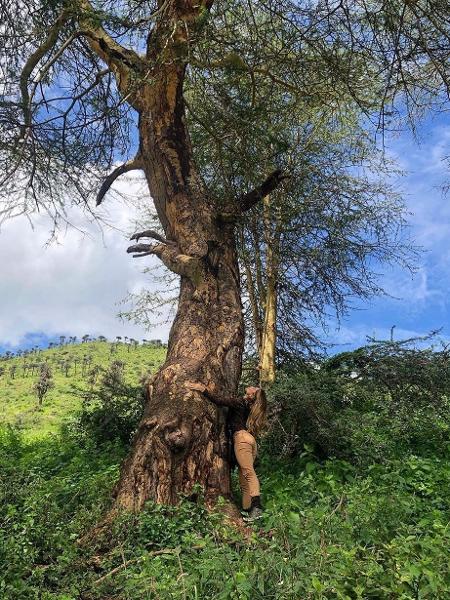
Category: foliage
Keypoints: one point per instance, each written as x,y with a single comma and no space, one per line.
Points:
63,115
336,215
329,532
378,402
299,86
111,409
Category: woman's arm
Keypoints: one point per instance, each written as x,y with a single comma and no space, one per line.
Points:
230,401
220,400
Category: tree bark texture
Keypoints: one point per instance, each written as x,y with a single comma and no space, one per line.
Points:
269,332
181,440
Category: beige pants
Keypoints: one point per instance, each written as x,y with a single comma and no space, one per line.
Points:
245,449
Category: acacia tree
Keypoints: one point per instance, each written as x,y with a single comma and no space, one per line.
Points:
306,249
79,77
44,384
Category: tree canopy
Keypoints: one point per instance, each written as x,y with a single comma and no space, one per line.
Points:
65,124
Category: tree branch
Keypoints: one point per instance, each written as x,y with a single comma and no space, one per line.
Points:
131,165
124,62
170,255
247,201
151,234
31,63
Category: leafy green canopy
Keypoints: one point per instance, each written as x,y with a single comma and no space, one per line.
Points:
337,215
63,123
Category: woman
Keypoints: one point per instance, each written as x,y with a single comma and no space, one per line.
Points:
246,418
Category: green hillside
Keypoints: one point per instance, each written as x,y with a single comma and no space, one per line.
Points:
374,525
72,366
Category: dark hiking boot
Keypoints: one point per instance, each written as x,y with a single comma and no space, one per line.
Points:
255,513
256,510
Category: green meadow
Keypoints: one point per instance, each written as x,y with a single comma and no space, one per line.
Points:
334,527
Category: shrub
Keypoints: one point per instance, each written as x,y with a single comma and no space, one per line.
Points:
378,402
328,531
111,409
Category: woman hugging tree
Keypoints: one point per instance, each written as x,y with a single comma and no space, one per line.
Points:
246,419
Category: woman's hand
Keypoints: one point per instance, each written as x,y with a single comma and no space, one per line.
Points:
250,394
195,385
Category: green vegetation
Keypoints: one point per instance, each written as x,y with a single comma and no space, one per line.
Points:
369,519
72,366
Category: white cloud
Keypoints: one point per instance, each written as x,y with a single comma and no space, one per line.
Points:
71,287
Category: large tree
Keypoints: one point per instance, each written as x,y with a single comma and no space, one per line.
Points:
315,244
79,77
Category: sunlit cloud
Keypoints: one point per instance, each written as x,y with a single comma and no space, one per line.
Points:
73,285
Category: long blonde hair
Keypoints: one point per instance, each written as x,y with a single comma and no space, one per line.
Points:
257,418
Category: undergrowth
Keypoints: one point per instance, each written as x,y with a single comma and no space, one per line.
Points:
329,531
355,475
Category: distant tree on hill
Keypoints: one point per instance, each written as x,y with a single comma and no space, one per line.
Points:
87,361
44,384
93,375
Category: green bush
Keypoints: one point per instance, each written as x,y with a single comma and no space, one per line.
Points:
51,491
377,403
329,532
110,409
331,529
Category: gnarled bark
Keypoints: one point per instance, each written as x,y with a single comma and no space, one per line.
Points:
181,440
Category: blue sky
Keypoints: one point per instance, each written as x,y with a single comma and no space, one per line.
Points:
420,303
74,287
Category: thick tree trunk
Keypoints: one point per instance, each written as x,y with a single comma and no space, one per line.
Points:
181,440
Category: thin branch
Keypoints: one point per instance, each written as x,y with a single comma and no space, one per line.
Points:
125,564
131,165
31,63
247,201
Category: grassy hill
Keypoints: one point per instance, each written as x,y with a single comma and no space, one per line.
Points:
72,365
